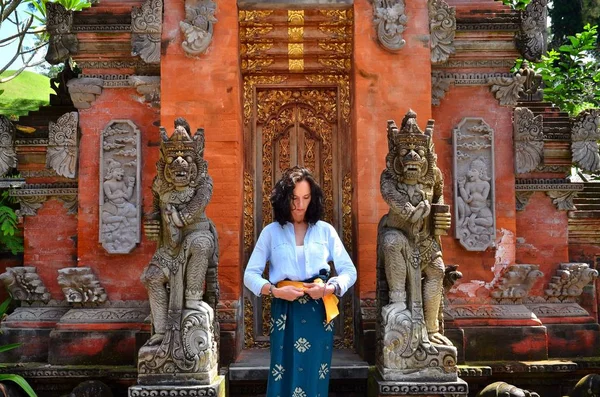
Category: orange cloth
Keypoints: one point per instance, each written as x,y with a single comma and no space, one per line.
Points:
330,301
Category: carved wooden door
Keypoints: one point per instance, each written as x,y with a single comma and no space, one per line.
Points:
296,126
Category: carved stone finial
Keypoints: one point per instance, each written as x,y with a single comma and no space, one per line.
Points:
474,192
24,284
569,282
79,285
62,43
198,26
507,90
390,22
411,345
442,27
530,39
61,155
84,91
148,87
146,27
584,140
516,282
529,140
563,199
440,84
8,156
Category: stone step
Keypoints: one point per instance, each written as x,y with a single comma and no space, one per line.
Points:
583,215
587,206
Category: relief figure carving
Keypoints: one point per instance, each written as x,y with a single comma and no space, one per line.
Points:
474,214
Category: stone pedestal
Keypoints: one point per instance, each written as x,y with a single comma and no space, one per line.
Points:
216,388
457,388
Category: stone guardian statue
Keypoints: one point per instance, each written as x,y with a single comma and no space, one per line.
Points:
183,348
411,346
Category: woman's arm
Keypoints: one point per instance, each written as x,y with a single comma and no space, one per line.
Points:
253,278
343,264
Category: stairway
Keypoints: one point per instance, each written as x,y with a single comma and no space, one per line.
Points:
584,222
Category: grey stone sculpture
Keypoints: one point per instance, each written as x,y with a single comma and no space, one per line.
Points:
79,285
8,156
390,22
84,91
516,282
62,43
503,389
528,133
198,26
120,212
442,27
24,284
530,39
183,349
61,155
410,343
507,89
584,140
146,27
570,280
475,224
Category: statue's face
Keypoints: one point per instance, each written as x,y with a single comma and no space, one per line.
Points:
180,171
411,162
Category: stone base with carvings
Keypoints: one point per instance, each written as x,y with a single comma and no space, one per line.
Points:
440,367
216,388
404,388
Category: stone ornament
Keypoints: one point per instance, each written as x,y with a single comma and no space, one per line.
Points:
62,43
569,281
146,28
198,26
474,192
584,140
79,285
61,154
531,38
507,89
563,199
84,91
561,191
409,340
528,135
440,84
8,156
31,197
148,87
390,22
24,284
181,278
503,389
442,27
120,195
516,282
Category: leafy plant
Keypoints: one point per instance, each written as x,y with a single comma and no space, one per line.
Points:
9,227
516,4
571,75
18,379
38,8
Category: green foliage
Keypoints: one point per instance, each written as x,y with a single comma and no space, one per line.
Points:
25,93
516,4
38,10
566,16
10,239
18,379
571,75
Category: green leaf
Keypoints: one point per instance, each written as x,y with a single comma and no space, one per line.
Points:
8,347
19,380
4,306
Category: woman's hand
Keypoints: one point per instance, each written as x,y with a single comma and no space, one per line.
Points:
288,293
318,291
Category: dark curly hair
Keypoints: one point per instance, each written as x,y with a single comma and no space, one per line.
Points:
283,193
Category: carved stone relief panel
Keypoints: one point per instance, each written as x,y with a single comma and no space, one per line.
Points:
79,285
584,137
146,27
61,155
197,27
529,140
120,203
442,27
390,22
24,284
474,190
8,156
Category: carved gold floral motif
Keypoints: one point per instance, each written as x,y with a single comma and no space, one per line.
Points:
284,151
249,83
253,65
254,32
343,82
322,100
248,211
296,17
248,331
347,212
295,50
254,16
338,48
309,154
255,48
296,65
338,16
343,64
296,34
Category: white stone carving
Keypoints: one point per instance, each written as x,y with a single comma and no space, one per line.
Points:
584,140
390,22
8,156
61,155
24,284
79,285
198,26
529,140
442,27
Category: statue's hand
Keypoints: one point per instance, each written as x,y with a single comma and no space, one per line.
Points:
421,211
151,229
441,222
176,219
439,339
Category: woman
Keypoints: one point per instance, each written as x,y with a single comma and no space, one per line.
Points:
299,247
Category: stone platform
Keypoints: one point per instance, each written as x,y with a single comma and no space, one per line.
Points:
217,389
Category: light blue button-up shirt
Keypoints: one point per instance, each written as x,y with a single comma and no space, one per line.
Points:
277,244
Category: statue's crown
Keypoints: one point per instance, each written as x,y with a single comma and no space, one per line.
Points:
409,134
180,143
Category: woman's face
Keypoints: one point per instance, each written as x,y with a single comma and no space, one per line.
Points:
300,201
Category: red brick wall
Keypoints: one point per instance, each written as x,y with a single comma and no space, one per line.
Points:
118,274
206,91
51,243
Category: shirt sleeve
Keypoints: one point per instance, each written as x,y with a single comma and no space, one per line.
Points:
343,264
253,278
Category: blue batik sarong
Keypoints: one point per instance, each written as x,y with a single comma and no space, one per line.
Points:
301,348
